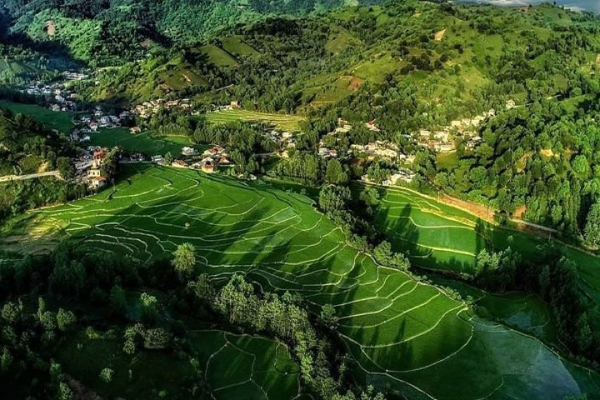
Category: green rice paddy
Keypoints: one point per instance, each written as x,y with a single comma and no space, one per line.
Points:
281,121
406,336
440,236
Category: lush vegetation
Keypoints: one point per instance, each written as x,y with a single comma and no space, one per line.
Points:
242,289
27,146
386,319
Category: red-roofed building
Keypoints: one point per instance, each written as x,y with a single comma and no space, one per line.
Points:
98,182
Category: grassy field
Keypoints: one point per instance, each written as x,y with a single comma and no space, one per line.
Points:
218,56
144,142
281,121
236,45
439,236
231,364
406,336
61,121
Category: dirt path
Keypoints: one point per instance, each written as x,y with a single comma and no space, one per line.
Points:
483,212
8,178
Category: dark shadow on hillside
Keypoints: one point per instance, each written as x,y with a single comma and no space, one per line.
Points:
212,233
404,237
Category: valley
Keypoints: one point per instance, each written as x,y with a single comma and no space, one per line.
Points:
299,200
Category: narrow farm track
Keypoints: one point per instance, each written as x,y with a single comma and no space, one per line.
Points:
405,335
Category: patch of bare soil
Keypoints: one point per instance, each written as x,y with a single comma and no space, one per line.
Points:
50,28
440,35
43,168
483,212
355,83
519,212
548,153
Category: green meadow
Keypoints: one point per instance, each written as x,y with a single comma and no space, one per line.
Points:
281,121
405,335
144,142
440,236
61,121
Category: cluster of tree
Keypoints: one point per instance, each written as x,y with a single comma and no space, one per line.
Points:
323,367
110,164
31,336
244,141
556,280
354,214
542,158
26,145
16,197
113,31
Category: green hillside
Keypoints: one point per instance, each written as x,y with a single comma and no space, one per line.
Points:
407,336
410,208
25,145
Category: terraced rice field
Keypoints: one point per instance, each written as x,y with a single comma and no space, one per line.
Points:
406,336
281,121
439,236
234,366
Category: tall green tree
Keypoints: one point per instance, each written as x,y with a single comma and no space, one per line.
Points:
184,259
592,226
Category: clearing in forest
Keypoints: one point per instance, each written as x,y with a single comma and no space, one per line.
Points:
144,142
61,121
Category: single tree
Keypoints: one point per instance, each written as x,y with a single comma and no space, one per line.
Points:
65,319
106,375
184,260
592,226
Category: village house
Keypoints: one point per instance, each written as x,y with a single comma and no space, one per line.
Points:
403,176
75,76
189,151
97,183
137,157
343,126
94,172
158,160
372,127
407,159
444,147
179,164
474,142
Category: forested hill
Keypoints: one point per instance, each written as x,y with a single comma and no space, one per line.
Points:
27,148
103,31
408,65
